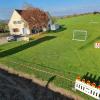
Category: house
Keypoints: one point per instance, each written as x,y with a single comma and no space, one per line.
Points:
24,22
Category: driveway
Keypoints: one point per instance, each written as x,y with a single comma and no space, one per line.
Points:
3,40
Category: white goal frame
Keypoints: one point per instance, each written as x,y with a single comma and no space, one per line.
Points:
85,36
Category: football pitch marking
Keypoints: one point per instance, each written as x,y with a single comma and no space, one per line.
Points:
43,71
94,22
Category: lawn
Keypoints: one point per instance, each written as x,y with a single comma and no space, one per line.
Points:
56,52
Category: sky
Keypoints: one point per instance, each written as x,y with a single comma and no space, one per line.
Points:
55,7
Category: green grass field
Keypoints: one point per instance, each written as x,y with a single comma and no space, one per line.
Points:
56,52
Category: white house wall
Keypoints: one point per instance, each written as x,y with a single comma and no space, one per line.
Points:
16,17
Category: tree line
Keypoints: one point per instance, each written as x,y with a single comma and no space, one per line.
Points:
4,27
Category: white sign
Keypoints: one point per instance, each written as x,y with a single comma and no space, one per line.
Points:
97,45
87,89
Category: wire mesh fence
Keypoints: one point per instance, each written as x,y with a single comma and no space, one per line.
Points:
60,79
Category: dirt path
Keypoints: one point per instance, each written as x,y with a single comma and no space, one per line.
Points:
19,86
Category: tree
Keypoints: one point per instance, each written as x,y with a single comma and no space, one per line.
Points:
36,18
3,27
54,19
26,6
95,12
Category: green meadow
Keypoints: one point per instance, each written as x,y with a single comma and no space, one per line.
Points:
57,53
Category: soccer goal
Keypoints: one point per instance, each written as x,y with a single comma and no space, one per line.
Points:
79,35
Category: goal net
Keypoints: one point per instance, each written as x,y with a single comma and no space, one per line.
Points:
79,35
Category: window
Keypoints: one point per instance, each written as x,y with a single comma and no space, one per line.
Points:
15,30
19,22
16,22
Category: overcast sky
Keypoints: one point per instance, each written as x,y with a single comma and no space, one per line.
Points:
55,7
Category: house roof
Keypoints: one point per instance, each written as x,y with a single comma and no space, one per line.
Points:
34,17
19,11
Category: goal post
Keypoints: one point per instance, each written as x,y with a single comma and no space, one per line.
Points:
79,35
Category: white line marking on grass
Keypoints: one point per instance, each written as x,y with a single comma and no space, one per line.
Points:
94,21
32,68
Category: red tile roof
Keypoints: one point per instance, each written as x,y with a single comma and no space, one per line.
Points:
35,17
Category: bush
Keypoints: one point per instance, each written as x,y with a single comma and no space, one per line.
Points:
96,12
31,37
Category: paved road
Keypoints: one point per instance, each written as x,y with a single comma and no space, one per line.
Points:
3,40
